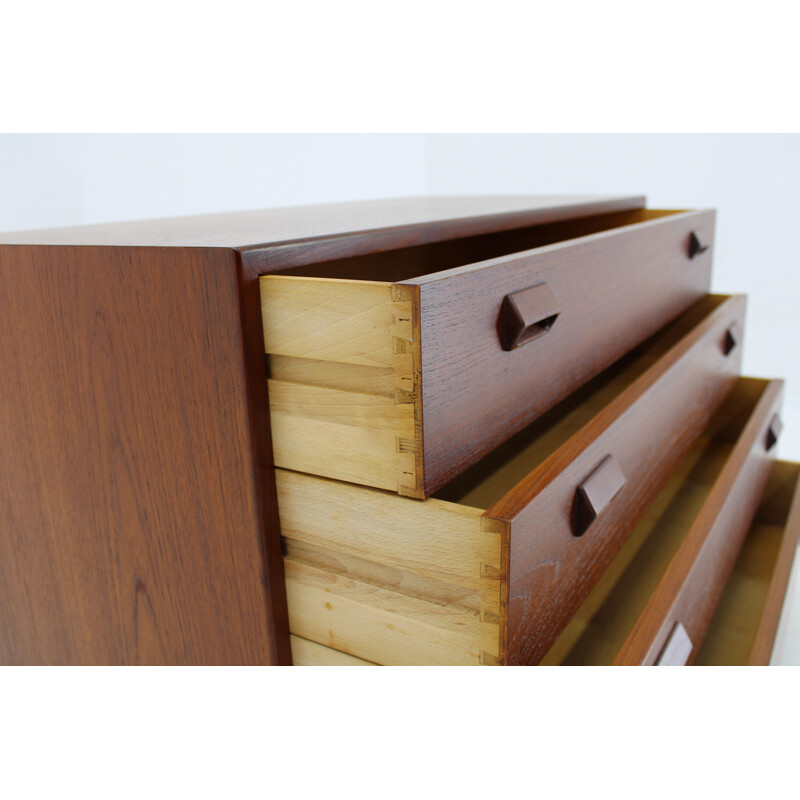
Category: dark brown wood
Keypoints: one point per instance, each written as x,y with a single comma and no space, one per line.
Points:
527,315
614,289
732,337
137,497
306,234
130,520
774,431
596,492
695,579
648,429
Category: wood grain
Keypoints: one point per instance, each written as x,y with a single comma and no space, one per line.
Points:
435,539
392,550
669,500
369,553
353,436
339,321
648,428
693,582
130,512
310,654
614,289
383,626
108,485
336,341
315,233
634,574
446,338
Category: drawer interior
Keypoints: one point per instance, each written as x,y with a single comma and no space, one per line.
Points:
369,572
731,637
345,357
602,623
411,262
498,473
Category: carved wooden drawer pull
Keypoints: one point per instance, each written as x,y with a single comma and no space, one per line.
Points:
528,314
732,338
774,431
596,492
696,247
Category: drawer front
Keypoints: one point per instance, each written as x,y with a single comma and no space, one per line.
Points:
505,340
689,591
571,515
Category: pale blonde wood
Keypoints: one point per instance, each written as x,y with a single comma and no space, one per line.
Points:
344,364
311,654
351,436
431,538
382,626
334,375
330,320
428,555
397,580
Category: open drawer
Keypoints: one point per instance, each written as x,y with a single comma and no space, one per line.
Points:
746,620
492,568
654,603
399,370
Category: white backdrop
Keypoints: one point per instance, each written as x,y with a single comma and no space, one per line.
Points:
752,180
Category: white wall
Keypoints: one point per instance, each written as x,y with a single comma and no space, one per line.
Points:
54,180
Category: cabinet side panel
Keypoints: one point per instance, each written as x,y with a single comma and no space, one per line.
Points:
130,527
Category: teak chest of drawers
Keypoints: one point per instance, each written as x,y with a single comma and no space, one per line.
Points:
487,431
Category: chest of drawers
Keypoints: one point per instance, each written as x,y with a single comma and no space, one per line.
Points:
476,418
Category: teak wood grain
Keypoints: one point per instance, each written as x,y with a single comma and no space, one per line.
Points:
307,234
613,288
137,498
131,530
693,582
465,391
648,429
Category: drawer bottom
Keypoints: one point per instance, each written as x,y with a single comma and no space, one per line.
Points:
743,629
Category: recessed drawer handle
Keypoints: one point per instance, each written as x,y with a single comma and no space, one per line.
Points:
527,315
596,492
774,431
732,336
696,247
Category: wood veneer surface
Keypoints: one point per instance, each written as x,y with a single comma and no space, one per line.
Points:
412,220
131,526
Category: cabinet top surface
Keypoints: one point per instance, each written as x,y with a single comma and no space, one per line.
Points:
441,217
